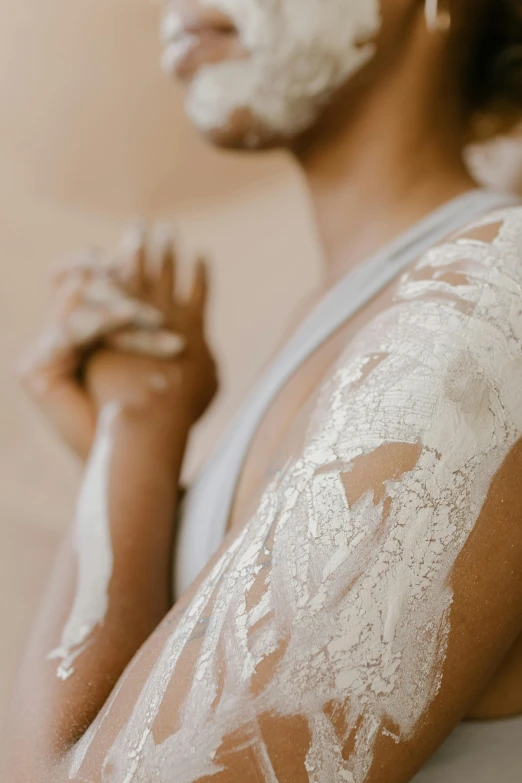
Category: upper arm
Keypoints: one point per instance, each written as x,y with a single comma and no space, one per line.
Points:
347,628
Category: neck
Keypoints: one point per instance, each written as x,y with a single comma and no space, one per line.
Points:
387,161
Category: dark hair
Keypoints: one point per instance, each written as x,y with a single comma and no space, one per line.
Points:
495,77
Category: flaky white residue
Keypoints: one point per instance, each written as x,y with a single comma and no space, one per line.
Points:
332,605
92,542
300,52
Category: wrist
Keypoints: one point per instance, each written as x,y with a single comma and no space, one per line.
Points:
158,431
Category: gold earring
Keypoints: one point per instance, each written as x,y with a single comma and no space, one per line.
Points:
436,18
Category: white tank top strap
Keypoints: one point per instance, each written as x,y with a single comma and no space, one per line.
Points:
207,506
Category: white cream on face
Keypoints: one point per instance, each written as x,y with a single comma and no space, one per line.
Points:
92,543
300,51
358,595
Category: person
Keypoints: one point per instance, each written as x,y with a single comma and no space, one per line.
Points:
346,566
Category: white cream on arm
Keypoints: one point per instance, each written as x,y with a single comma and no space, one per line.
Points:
93,548
353,595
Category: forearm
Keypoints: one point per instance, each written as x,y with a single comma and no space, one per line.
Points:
111,585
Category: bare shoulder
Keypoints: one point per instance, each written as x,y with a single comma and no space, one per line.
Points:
500,230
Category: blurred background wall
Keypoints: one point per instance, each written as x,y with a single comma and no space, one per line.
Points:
91,136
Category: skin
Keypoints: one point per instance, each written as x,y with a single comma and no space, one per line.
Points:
383,154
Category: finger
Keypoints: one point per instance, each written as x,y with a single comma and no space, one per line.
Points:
167,277
89,323
58,349
133,248
161,344
138,273
85,326
104,292
199,290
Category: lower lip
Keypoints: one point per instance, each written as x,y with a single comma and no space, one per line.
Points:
191,50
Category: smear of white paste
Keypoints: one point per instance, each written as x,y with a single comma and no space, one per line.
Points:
299,54
358,594
92,542
160,344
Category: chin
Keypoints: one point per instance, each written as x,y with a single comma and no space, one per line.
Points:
236,109
240,132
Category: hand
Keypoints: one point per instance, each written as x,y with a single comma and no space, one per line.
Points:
87,306
167,386
92,309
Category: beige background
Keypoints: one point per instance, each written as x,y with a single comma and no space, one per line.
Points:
91,136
